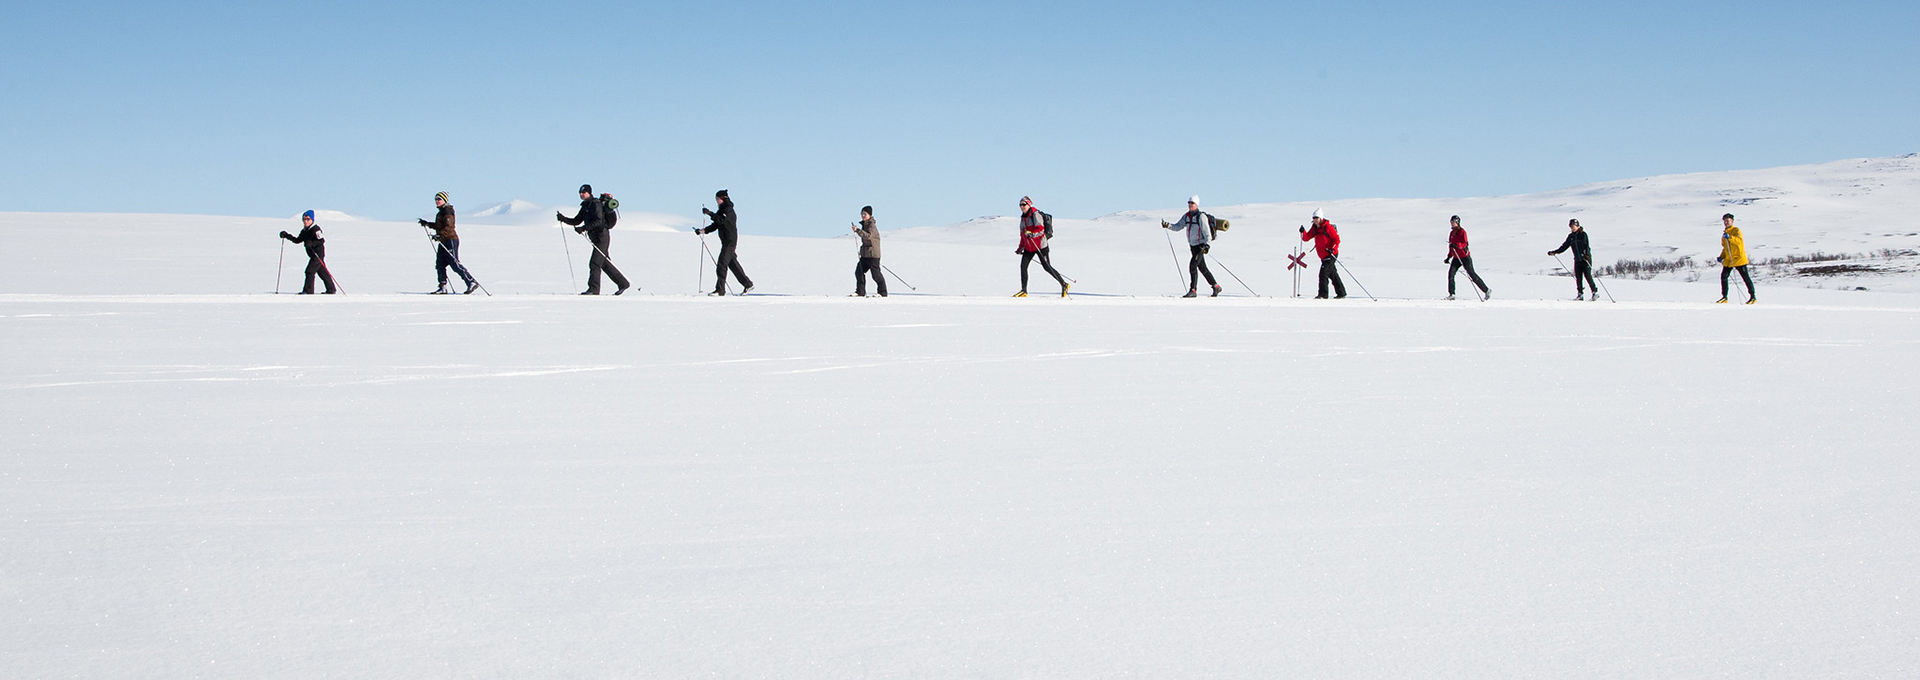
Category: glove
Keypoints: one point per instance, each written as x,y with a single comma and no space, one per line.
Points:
558,216
706,212
1448,260
1303,230
286,236
1552,253
1164,225
423,222
579,230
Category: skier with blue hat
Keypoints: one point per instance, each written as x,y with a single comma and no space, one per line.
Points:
316,253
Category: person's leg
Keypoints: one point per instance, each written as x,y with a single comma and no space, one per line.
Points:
739,273
1586,270
1472,275
860,276
1452,271
1046,262
1026,259
605,248
441,260
1200,259
453,255
1724,273
1748,278
1193,269
313,272
1333,272
721,267
594,263
879,277
1326,267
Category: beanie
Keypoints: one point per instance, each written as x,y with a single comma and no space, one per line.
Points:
1456,218
868,210
720,194
586,188
308,214
1195,199
1319,214
442,196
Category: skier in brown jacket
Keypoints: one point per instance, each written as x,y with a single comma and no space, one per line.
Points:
869,232
447,242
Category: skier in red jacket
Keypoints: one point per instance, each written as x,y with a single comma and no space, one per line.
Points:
1033,243
1326,244
1458,257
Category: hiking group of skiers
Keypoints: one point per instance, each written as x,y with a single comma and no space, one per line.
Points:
598,215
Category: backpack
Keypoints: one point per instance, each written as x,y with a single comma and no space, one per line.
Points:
1215,225
1047,220
610,209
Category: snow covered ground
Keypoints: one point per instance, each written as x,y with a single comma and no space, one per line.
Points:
201,480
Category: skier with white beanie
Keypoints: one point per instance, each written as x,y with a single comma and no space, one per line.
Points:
1199,227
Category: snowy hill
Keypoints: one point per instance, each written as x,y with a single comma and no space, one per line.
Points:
515,211
1855,207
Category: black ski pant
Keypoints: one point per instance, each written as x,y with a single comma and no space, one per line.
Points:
869,264
317,267
447,254
729,262
1026,258
1724,272
1583,275
1454,269
597,262
1197,266
1330,274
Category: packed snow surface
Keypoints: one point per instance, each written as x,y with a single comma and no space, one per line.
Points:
201,479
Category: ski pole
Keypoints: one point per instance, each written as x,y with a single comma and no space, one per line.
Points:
1356,279
1236,277
569,248
1175,255
1603,288
896,277
283,267
337,288
710,258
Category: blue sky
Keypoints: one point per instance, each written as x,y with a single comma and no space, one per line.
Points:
931,113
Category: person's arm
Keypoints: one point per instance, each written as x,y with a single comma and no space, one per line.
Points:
575,220
1726,247
1564,245
1309,234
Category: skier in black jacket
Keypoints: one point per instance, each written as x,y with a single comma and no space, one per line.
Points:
728,224
316,253
592,221
1582,261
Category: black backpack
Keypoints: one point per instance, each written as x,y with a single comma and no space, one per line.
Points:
610,209
1047,220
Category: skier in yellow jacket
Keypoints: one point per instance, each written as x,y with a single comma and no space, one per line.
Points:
1733,255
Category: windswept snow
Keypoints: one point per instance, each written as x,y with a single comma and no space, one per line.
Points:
201,479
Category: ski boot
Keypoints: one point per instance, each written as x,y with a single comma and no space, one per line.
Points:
1190,293
1721,301
1063,289
1752,301
1449,296
1216,291
622,289
748,289
1020,294
442,291
472,287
